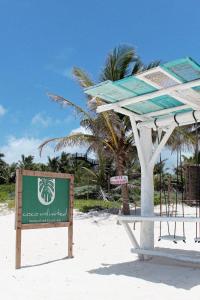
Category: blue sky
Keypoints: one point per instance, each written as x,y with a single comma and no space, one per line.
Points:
41,40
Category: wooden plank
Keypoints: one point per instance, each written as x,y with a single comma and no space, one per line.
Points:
186,256
46,174
70,241
18,248
16,199
18,219
131,219
70,228
45,225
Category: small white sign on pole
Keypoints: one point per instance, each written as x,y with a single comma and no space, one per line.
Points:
118,180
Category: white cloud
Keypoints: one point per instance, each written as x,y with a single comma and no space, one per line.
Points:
2,110
41,120
81,129
15,147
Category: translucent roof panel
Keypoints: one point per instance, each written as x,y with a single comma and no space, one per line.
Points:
155,80
197,89
175,113
109,91
121,89
132,83
184,69
155,104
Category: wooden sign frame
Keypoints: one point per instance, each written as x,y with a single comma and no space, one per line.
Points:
19,226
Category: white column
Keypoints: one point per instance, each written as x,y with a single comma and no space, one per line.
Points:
147,190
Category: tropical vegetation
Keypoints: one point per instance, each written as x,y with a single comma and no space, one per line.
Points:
109,140
108,134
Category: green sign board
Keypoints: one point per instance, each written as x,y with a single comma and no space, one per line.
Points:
45,199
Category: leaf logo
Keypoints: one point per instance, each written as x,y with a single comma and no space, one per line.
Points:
46,190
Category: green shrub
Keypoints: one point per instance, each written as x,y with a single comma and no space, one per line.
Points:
156,199
11,204
7,192
86,191
95,204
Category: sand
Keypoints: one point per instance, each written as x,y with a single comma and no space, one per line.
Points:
103,266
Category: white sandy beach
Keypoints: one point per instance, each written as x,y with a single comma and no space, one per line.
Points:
103,266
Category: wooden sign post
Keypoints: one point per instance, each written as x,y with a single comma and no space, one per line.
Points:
43,200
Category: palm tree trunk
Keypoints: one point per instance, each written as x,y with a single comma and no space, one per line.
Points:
124,187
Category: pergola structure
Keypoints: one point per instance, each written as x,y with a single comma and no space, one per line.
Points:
161,98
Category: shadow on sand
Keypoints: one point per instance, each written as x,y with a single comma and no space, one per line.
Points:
157,270
45,263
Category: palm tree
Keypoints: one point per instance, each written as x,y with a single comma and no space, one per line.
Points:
183,137
3,169
108,132
66,163
53,164
26,162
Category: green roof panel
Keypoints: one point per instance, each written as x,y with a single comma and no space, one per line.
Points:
120,89
109,91
154,104
175,113
132,83
185,69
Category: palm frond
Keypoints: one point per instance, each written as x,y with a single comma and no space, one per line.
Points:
82,77
151,65
109,124
90,172
139,66
78,138
65,102
118,63
182,137
41,147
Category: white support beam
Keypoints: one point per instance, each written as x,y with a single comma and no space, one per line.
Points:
185,100
147,190
182,118
129,113
132,218
161,145
106,107
130,234
138,143
145,97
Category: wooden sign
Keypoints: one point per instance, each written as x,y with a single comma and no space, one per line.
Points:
118,180
43,200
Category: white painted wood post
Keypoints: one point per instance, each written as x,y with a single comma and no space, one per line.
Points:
147,156
147,190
